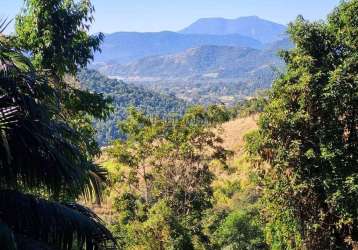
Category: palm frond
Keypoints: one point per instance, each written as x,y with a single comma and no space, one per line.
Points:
58,226
4,23
45,148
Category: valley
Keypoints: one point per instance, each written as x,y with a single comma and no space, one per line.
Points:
208,62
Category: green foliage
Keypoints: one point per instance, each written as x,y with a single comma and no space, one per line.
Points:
165,185
308,134
47,144
59,44
55,32
161,230
239,230
252,106
124,96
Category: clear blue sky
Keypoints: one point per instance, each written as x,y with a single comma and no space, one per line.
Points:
158,15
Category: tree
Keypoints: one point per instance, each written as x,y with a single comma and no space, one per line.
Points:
308,135
47,143
239,231
55,32
31,163
165,164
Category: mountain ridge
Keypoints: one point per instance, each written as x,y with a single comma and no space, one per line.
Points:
255,27
198,62
125,47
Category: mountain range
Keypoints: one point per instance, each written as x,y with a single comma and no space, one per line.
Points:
252,32
125,47
252,26
212,60
204,62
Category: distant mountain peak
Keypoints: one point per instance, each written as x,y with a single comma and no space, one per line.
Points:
251,26
125,47
249,17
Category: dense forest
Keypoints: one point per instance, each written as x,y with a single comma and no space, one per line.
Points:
124,96
278,171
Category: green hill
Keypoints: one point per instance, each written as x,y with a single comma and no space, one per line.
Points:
126,95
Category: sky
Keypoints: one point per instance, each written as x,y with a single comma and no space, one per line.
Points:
158,15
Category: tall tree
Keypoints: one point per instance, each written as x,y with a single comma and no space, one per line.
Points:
31,162
309,136
55,32
47,142
165,177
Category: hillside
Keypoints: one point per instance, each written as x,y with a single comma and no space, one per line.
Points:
234,131
124,96
124,47
252,26
207,74
216,62
233,139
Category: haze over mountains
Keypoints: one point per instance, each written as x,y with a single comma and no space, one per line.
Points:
125,47
204,62
253,32
214,59
251,26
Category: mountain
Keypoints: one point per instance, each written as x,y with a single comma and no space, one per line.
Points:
124,47
283,44
252,26
205,62
205,74
125,96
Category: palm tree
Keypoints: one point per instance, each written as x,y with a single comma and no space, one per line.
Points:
41,167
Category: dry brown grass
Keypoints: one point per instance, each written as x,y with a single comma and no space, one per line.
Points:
233,139
234,131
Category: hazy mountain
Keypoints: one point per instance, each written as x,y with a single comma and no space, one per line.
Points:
252,26
274,47
124,47
224,65
207,74
205,62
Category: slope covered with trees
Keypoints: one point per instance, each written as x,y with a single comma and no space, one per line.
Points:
124,96
177,182
126,47
205,74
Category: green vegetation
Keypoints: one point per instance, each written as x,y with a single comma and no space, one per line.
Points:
308,134
252,106
47,144
205,74
170,177
149,102
124,96
164,178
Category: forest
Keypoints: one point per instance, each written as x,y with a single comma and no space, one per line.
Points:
277,171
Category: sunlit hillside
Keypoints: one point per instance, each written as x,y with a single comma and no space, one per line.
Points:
232,133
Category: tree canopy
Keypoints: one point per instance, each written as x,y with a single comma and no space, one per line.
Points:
308,134
47,144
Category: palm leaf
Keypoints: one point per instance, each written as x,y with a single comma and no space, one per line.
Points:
58,226
4,23
46,150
